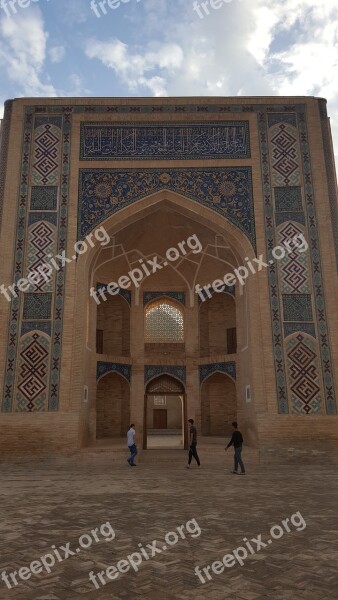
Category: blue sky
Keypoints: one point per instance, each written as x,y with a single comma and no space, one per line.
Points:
165,48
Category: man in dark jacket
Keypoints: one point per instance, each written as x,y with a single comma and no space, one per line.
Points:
237,442
193,444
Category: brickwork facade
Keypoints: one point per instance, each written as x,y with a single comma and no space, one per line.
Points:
243,176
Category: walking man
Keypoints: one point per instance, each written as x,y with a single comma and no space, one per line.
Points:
237,442
131,444
193,444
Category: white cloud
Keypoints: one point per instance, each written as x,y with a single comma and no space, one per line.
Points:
136,69
23,52
56,53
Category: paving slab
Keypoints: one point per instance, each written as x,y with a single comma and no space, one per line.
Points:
101,513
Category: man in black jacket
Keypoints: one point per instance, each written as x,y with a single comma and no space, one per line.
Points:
237,442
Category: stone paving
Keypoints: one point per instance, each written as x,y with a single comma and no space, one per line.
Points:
53,503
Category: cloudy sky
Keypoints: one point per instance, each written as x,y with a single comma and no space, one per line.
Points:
165,48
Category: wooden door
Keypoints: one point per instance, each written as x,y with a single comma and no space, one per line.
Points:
160,418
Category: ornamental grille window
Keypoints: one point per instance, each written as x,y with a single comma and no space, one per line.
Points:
160,400
164,323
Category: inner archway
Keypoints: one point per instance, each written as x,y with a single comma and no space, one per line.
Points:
165,413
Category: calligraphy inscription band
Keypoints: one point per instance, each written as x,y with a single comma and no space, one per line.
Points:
165,141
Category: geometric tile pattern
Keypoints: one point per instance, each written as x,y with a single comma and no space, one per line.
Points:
46,155
41,156
283,217
314,256
102,368
229,368
303,374
41,243
164,141
288,199
37,306
49,217
227,191
294,266
43,326
316,267
284,152
151,371
309,328
149,296
33,373
44,197
297,307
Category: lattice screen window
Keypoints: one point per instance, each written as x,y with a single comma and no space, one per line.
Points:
160,400
164,323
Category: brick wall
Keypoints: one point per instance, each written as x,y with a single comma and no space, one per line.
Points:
113,317
216,316
218,405
113,406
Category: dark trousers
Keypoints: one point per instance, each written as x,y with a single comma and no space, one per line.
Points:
193,453
238,459
133,453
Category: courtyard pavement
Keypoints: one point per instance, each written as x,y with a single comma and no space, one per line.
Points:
55,503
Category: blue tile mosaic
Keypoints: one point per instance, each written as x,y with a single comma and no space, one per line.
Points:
227,191
37,306
44,197
229,368
102,368
297,307
151,371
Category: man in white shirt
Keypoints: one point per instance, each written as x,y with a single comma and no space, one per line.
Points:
131,445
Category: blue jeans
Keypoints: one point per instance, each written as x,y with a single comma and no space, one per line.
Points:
133,452
238,459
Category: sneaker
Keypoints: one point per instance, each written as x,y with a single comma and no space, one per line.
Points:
234,472
129,463
188,467
243,473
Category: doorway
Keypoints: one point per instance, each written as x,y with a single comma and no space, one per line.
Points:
165,414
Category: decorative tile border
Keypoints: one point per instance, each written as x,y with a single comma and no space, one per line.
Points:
151,371
41,134
102,368
5,130
149,296
229,368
